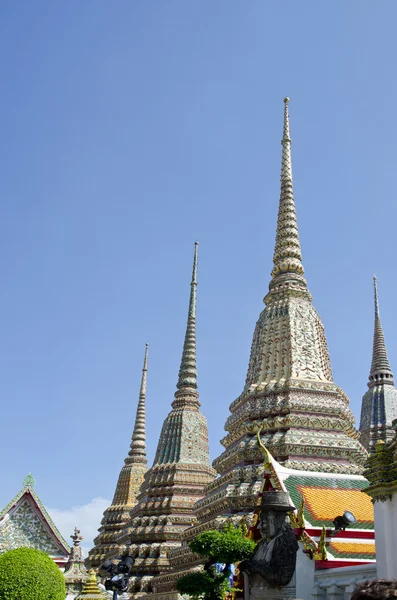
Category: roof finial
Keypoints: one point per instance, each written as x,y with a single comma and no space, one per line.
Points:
29,481
77,537
138,440
188,370
380,366
287,253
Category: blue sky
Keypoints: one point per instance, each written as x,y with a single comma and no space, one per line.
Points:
128,131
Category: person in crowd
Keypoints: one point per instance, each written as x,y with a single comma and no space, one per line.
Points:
377,589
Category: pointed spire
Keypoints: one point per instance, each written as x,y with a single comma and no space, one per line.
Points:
138,440
75,571
380,366
287,253
188,370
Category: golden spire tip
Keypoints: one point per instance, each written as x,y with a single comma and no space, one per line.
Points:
286,100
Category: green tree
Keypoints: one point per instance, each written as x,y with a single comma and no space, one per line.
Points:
227,546
29,574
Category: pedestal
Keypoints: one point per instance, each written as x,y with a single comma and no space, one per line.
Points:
258,589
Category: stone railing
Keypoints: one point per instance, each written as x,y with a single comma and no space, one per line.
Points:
339,583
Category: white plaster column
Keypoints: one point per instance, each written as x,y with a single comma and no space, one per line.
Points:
385,536
304,574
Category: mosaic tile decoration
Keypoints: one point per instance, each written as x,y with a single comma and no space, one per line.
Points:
25,522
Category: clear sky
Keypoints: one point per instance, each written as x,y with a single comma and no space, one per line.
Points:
129,129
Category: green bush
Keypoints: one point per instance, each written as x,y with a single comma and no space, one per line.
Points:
29,574
227,546
196,584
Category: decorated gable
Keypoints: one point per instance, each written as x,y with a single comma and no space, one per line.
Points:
25,522
23,527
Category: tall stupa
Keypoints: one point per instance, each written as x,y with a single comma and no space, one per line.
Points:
129,482
289,388
379,405
289,393
180,473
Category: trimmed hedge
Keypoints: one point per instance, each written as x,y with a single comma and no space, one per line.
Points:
29,574
225,547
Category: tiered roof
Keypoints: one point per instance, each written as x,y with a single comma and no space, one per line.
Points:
130,479
25,522
379,404
180,472
325,497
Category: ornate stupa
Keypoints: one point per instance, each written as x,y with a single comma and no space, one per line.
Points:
379,404
289,388
291,398
91,589
180,472
75,572
130,479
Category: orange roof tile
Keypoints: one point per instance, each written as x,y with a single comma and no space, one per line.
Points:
325,504
350,549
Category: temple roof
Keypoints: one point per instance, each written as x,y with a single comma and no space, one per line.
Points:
327,497
321,497
25,522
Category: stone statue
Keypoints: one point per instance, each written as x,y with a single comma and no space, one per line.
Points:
275,555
